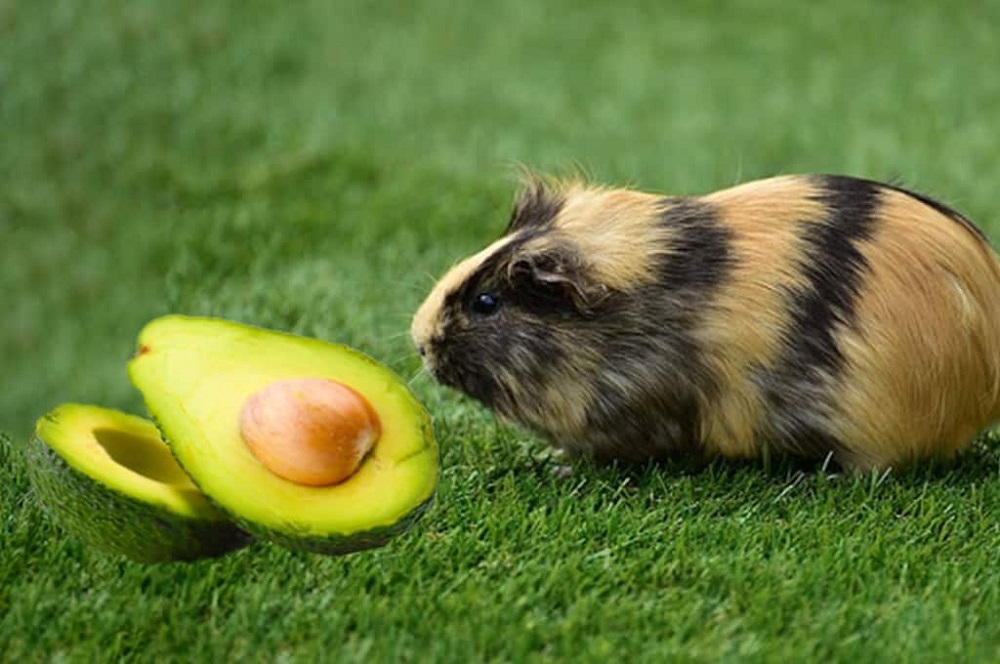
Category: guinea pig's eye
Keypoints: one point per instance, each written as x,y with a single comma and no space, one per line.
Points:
485,304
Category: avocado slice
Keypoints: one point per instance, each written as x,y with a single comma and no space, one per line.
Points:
109,479
196,374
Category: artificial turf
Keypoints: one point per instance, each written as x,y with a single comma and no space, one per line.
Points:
312,167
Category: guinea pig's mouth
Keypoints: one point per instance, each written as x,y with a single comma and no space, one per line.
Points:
434,365
482,388
443,372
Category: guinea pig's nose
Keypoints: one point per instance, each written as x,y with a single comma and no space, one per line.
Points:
422,349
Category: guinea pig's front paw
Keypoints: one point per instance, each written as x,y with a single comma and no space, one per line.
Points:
558,460
561,471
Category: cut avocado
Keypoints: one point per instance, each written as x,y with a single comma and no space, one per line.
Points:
109,479
196,374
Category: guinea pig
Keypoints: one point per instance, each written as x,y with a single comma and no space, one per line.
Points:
819,316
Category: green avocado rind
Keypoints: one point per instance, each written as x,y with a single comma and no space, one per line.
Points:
333,544
117,523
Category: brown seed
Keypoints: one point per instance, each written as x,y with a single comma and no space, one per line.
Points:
311,431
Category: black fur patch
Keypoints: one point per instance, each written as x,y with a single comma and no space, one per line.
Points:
691,274
536,206
484,352
701,256
645,424
653,349
834,267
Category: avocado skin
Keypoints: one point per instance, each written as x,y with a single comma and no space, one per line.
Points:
119,524
333,544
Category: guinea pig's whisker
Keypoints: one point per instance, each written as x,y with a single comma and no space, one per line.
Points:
398,358
419,374
395,336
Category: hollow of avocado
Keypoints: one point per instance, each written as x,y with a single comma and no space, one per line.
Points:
108,479
198,374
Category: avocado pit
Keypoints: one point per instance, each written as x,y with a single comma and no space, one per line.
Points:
310,431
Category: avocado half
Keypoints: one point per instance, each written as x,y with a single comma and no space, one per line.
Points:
109,479
195,375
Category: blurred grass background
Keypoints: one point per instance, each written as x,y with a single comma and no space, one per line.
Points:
313,166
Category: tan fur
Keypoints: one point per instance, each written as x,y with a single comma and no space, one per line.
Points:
922,370
611,228
749,315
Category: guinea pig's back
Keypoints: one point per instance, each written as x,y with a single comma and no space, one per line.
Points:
857,317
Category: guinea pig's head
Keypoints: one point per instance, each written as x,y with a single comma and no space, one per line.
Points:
529,324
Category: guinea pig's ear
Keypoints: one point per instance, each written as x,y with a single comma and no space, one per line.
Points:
558,274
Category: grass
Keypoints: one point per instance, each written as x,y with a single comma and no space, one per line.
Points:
311,167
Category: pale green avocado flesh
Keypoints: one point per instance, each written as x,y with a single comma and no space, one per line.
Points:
109,479
195,375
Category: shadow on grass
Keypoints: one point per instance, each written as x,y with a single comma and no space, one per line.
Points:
532,461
